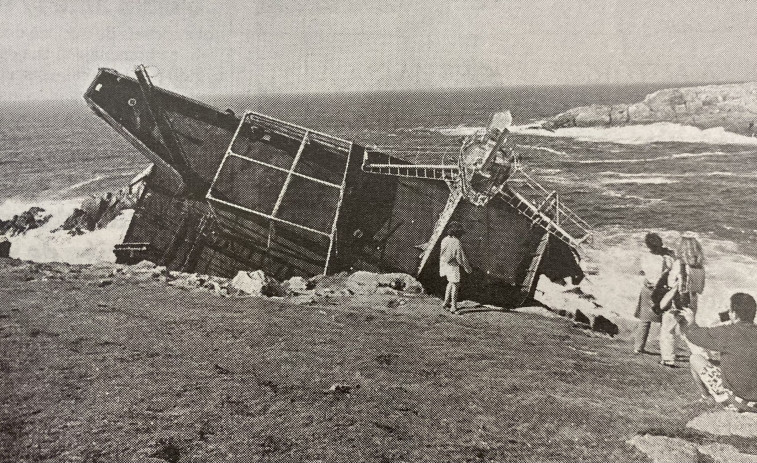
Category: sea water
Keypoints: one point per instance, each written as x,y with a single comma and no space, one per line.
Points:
625,181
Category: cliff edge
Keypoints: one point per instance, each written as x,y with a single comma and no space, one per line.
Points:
732,106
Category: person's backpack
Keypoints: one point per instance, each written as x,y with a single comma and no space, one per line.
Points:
663,296
660,290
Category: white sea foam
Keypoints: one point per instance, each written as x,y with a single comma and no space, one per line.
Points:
545,171
616,253
617,194
545,148
656,158
639,181
656,175
626,135
76,186
647,133
43,245
459,131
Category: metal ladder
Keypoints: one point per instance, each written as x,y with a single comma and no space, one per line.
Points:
537,217
429,171
532,274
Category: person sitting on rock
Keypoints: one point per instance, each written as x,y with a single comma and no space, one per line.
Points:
734,383
451,258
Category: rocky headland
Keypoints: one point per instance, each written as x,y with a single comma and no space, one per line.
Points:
731,106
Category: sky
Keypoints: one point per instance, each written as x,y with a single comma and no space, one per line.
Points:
52,49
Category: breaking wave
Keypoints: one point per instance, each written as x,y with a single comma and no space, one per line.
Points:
76,186
44,245
626,135
616,253
545,149
648,175
656,158
459,131
639,180
647,133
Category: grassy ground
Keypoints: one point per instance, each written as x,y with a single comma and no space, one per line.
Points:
138,368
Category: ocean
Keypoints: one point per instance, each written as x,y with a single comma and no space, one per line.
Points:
663,177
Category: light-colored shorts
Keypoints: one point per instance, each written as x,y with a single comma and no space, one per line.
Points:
452,272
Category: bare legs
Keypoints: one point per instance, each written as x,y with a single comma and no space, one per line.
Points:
450,296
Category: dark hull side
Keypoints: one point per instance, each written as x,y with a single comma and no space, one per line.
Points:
381,223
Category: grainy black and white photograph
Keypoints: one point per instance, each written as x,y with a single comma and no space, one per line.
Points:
400,231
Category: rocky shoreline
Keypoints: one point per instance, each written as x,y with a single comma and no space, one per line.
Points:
94,213
731,106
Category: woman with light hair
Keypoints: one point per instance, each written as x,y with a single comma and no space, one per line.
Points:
687,277
688,270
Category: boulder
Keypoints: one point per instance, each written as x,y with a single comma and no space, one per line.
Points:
256,283
95,213
28,220
362,282
725,453
726,423
144,266
5,246
665,449
571,301
297,285
401,282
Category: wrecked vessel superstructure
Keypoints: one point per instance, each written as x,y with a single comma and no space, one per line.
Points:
229,193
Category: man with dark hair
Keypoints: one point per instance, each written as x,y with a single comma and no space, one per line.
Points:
734,383
654,267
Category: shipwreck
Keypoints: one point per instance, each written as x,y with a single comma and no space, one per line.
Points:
231,192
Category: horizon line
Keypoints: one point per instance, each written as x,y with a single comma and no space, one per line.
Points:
662,84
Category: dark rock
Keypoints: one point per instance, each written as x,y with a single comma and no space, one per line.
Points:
20,224
5,247
95,213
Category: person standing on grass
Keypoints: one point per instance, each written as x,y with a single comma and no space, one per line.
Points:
688,270
686,277
451,258
733,383
655,265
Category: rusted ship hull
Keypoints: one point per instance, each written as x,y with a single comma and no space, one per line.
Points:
293,201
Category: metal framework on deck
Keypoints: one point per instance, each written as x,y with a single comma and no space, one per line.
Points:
306,136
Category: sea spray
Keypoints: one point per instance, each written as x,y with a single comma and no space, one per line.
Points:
625,135
614,289
44,245
648,133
